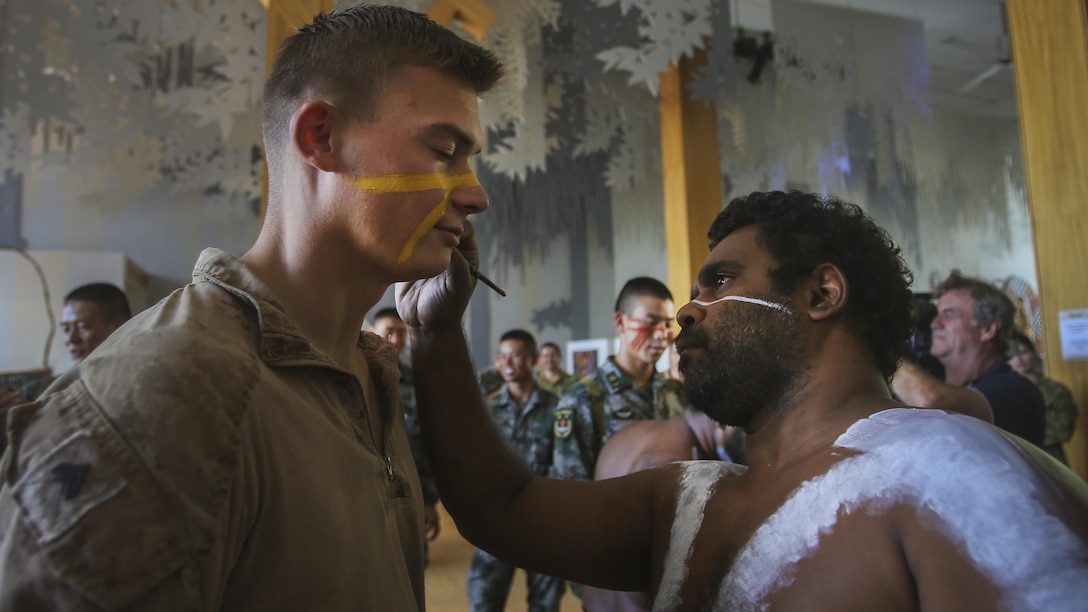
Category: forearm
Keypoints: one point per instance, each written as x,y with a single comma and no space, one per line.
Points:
477,473
918,388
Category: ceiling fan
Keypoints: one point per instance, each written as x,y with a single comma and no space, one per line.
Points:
1003,61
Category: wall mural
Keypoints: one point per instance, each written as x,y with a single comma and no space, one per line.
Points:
135,105
130,95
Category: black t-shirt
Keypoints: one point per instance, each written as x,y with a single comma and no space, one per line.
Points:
1017,403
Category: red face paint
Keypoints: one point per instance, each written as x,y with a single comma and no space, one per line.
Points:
645,331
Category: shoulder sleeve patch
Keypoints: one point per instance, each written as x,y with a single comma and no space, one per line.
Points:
95,510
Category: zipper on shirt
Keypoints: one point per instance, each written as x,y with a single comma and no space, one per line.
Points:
389,467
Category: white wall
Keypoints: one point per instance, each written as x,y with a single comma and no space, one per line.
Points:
24,316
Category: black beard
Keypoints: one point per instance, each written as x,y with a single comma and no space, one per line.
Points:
750,364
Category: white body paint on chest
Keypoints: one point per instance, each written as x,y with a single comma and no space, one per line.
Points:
966,474
697,482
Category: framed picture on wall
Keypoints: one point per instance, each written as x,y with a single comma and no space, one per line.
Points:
585,356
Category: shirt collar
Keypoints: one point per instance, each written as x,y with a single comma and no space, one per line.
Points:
281,341
623,381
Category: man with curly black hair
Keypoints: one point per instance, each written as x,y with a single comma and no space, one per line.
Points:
851,500
803,235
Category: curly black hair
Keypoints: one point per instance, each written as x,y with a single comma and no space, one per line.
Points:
804,230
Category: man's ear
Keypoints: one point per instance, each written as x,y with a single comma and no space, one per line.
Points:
989,331
827,292
617,320
311,134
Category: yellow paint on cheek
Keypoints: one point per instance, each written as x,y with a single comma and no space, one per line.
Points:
424,226
414,183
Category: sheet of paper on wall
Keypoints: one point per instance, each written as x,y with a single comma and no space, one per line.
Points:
1073,327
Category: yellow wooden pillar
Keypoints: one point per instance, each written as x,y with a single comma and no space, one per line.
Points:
692,175
1050,62
474,15
284,18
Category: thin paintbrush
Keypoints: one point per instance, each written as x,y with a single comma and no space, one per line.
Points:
485,280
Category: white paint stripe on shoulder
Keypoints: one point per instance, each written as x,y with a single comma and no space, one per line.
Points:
964,473
697,483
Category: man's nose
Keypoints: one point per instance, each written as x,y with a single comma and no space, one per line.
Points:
470,200
690,314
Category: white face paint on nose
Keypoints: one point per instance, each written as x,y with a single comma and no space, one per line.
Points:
747,300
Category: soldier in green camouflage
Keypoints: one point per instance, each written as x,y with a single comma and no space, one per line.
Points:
626,388
524,413
549,376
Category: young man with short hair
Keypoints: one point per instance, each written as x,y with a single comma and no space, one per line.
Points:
626,388
91,313
240,445
523,412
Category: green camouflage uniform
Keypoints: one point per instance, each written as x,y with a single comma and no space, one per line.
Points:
598,406
529,429
1061,416
566,381
490,381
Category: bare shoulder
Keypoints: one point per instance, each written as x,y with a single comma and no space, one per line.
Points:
921,509
975,503
935,450
644,445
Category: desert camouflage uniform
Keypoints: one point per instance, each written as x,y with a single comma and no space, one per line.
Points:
208,456
415,435
415,442
529,428
1061,417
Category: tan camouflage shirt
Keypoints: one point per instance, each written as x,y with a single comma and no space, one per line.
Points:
207,456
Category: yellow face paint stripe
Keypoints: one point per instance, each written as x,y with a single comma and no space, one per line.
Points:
413,183
424,226
408,183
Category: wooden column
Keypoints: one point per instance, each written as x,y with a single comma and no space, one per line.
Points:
474,15
284,18
1050,62
692,175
